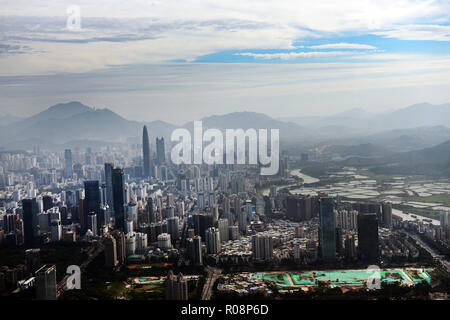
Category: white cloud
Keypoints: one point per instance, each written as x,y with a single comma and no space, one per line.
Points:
159,31
295,55
343,46
418,32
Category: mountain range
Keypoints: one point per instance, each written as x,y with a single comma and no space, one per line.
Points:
429,161
354,120
73,123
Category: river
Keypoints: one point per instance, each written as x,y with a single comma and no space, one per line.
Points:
294,172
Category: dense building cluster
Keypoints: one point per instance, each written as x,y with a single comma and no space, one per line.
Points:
141,207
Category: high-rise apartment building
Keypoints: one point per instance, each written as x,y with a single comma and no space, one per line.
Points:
46,283
213,245
68,165
176,287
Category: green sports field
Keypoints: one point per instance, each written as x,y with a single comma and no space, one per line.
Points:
346,278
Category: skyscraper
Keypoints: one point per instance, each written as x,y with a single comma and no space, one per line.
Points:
176,287
194,250
119,198
47,202
368,249
46,283
160,151
262,248
91,201
92,223
30,220
147,165
386,209
327,232
350,247
68,169
120,245
213,244
108,183
202,222
222,224
111,252
172,226
33,260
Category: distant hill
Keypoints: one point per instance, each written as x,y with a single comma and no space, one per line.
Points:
253,120
351,133
73,121
361,150
357,121
408,139
429,161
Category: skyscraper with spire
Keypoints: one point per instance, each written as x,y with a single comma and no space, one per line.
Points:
146,153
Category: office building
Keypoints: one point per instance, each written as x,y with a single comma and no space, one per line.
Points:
109,185
368,249
119,198
147,164
30,220
327,229
172,226
91,201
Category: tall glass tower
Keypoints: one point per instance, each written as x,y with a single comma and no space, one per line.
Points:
119,198
146,153
327,232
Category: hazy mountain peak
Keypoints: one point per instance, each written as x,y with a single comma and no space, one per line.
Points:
69,106
61,111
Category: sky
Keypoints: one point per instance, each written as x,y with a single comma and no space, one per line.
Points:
182,60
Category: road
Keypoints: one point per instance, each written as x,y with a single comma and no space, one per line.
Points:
431,251
213,274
